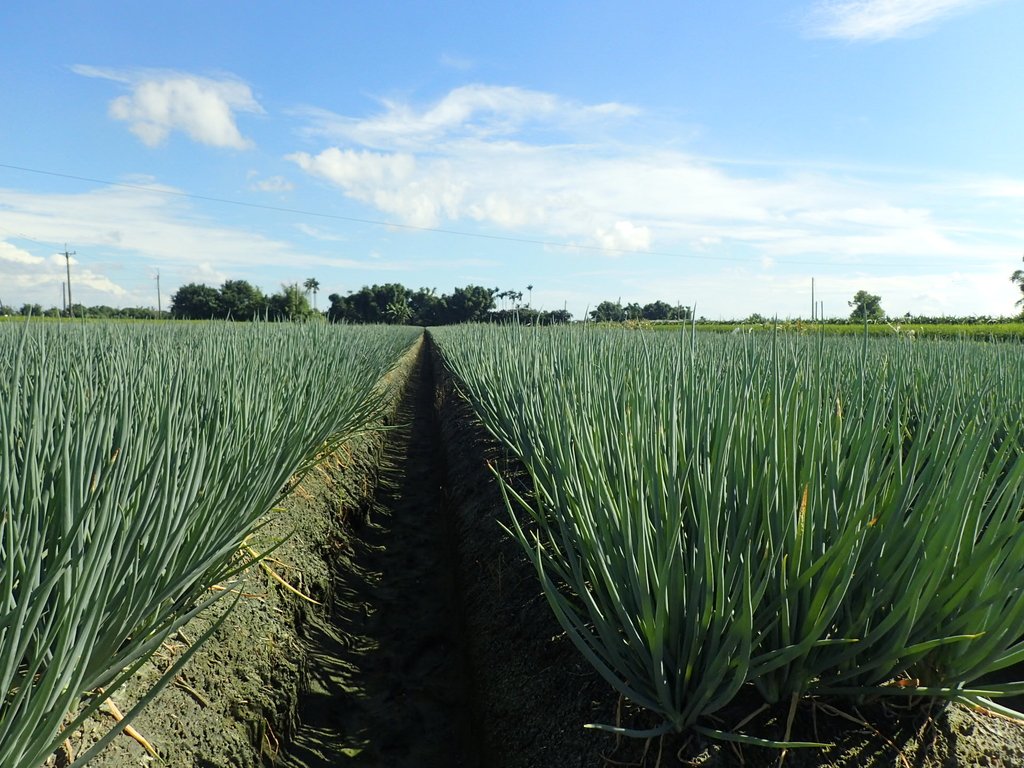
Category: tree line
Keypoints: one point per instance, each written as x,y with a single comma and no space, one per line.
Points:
391,303
100,311
395,303
616,312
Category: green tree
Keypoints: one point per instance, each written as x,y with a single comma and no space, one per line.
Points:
312,284
339,310
427,307
608,312
240,300
195,301
370,303
656,310
290,304
1018,278
398,312
679,312
469,304
556,316
866,304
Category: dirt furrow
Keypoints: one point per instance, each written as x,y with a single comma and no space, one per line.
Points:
388,684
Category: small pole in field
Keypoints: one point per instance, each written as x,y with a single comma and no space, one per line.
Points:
67,262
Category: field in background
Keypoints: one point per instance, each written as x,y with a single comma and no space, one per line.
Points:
981,331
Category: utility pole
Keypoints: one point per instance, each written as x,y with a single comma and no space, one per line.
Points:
63,299
159,309
67,262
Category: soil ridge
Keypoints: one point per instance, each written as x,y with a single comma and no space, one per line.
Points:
389,685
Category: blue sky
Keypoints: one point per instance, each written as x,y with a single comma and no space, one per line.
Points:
721,154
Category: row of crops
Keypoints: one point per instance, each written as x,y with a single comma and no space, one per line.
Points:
981,331
134,462
796,516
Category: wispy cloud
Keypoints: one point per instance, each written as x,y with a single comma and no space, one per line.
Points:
995,188
269,184
319,234
29,278
470,111
161,102
123,234
458,63
874,20
14,255
615,197
436,167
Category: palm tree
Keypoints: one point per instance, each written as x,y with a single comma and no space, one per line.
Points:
398,312
529,302
313,285
1018,278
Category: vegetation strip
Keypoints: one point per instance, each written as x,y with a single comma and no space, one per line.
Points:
133,463
522,739
710,514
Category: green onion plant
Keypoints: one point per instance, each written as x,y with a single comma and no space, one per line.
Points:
134,461
801,515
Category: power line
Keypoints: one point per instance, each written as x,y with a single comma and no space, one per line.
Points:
380,222
23,236
353,219
410,227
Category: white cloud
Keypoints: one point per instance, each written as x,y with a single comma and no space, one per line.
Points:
389,181
468,111
162,102
625,236
272,184
996,188
442,167
636,201
319,234
15,255
38,279
349,168
881,19
121,236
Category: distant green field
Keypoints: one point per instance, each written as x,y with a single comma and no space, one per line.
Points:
983,331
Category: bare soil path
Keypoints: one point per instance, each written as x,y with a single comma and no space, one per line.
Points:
387,673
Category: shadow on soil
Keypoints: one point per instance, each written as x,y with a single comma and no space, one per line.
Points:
388,684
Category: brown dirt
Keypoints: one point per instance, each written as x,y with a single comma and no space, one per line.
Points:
388,682
435,646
